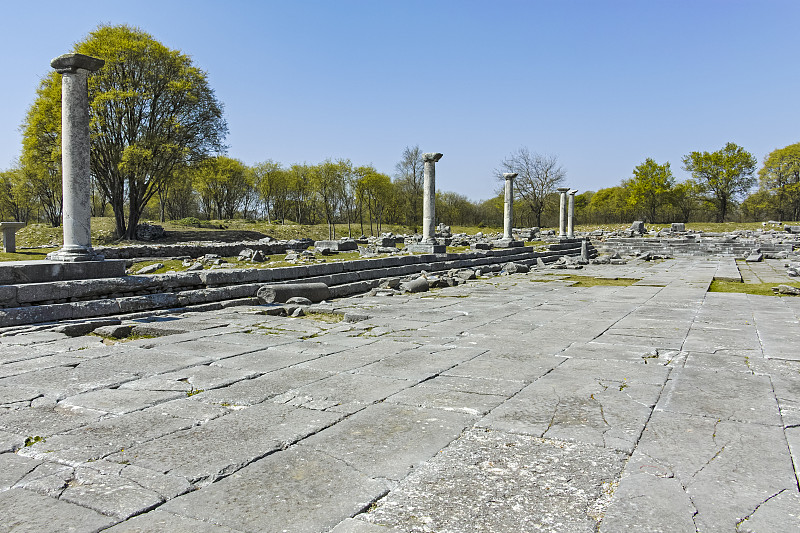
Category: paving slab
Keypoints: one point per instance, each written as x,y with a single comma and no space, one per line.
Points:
604,405
258,390
717,464
308,491
29,512
495,481
98,439
721,394
388,441
227,444
345,393
161,521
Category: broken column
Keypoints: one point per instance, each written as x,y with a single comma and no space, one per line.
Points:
508,215
428,244
562,230
77,212
9,230
571,214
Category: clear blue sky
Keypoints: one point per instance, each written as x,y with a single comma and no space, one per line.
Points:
601,84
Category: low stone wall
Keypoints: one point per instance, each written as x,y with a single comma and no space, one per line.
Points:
63,300
199,249
688,246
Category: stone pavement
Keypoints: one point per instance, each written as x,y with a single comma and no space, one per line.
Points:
505,404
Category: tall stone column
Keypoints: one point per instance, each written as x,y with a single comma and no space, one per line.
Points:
571,214
429,198
562,230
74,70
508,206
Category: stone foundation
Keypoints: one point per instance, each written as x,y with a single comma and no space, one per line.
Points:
64,300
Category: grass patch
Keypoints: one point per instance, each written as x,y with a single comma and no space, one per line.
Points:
319,316
760,289
26,254
589,281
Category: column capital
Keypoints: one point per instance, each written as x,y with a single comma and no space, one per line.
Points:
431,157
562,190
69,63
509,175
572,192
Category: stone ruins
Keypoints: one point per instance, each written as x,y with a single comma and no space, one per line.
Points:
486,390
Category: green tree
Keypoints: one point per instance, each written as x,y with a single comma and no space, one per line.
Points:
781,176
376,191
299,191
684,199
16,195
723,175
41,148
223,184
410,182
759,205
181,198
152,112
269,180
610,205
326,183
537,177
650,187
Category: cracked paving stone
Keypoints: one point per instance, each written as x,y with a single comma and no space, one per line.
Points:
428,395
110,435
306,491
580,401
13,468
719,464
780,512
117,401
29,512
494,481
167,522
735,396
228,443
388,441
518,366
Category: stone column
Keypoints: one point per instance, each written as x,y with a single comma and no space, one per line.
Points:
508,206
429,198
562,230
74,70
571,213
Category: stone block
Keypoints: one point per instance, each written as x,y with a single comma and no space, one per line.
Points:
41,271
316,292
638,227
344,277
678,227
8,295
427,248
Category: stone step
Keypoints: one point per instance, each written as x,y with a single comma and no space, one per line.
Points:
79,299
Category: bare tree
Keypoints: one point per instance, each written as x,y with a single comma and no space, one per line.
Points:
537,177
409,176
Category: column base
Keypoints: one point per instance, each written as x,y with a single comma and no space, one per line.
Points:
426,248
75,255
507,243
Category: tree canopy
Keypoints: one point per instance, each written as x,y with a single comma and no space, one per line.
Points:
152,113
723,175
537,177
650,186
780,176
